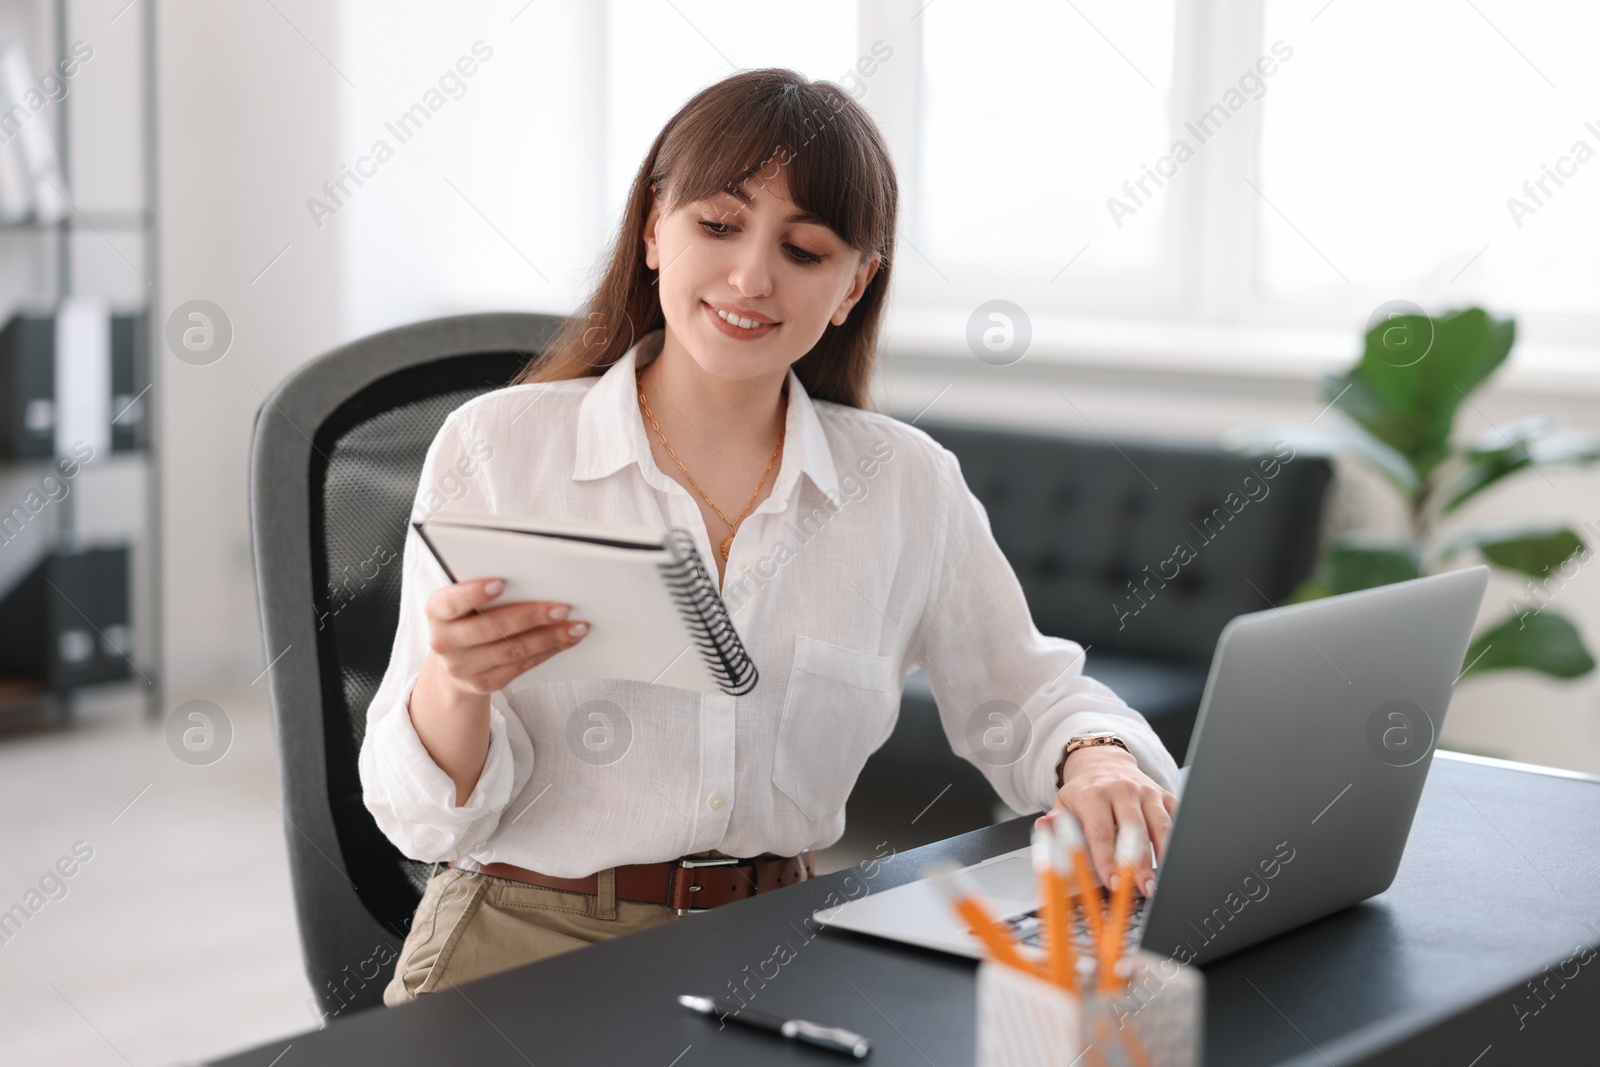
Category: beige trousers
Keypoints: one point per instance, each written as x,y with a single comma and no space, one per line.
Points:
470,925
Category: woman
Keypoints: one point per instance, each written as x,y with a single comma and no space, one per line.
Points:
717,381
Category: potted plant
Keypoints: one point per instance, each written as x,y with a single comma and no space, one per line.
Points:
1395,412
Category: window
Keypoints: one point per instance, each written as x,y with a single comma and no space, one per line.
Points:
1033,115
1334,156
1213,167
1400,157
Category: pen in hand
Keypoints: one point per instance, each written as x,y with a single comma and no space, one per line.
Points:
833,1038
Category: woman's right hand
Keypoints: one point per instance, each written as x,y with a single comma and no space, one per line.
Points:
480,649
476,650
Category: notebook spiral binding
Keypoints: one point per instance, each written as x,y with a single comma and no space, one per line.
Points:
695,593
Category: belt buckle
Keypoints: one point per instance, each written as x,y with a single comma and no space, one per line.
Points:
718,861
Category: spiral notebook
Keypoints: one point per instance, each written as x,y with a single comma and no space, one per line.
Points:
653,608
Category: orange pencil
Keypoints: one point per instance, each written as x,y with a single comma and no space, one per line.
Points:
1130,842
962,891
1071,837
1130,1040
1055,909
1092,1050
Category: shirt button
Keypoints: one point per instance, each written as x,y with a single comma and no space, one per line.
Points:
715,801
744,564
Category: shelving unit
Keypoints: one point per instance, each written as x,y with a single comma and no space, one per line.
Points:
104,128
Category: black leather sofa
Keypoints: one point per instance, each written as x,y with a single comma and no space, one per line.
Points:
1080,518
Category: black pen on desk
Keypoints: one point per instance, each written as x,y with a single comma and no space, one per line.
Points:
829,1037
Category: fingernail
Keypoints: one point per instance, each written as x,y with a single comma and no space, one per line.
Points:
1149,886
494,587
558,612
578,629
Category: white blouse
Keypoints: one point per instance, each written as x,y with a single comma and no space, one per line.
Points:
870,558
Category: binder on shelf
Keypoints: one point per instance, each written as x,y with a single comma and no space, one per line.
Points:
83,375
100,360
653,609
28,387
129,381
66,622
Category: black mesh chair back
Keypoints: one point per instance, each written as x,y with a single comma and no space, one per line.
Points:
336,459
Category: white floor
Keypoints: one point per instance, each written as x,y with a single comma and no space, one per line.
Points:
176,940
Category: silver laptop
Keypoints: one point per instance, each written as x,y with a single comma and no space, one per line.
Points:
1314,737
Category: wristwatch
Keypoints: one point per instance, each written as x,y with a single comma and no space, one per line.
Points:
1099,737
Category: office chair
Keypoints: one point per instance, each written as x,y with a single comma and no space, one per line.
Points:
334,466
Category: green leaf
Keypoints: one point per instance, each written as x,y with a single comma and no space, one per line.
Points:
1534,552
1359,399
1482,470
1310,589
1505,450
1414,372
1351,566
1376,454
1544,642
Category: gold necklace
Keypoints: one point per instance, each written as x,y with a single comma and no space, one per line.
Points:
733,524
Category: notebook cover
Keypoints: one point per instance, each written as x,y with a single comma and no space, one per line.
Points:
637,632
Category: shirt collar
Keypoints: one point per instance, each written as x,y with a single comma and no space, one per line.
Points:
612,432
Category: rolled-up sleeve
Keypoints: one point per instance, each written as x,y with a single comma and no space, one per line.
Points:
1009,697
412,799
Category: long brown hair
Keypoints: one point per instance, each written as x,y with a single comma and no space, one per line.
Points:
838,167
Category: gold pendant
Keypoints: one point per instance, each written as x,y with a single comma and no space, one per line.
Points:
727,543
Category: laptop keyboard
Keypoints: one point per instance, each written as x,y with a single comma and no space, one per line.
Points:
1029,930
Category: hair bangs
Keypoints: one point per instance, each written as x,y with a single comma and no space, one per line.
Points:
788,131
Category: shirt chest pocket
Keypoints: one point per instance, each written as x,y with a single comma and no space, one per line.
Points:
839,707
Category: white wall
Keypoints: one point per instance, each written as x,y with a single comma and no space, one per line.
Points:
495,201
247,116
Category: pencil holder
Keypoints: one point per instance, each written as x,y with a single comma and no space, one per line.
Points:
1024,1020
1157,1021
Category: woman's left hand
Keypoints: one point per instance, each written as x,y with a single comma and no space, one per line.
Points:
1104,789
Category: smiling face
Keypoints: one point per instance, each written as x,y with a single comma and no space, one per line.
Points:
780,274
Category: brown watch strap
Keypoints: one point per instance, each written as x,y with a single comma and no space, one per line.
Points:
1085,742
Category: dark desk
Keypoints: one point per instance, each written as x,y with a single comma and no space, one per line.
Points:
1501,880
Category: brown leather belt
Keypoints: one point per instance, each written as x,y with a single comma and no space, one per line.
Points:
689,883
